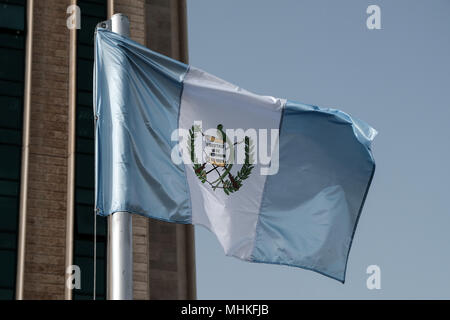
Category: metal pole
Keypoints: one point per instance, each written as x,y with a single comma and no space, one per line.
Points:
120,242
120,282
20,276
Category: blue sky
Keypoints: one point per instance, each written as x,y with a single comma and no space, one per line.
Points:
397,79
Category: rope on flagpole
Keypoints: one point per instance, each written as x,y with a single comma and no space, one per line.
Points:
95,252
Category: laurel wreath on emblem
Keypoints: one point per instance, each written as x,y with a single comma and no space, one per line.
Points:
225,180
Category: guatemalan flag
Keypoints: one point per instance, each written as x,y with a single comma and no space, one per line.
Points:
276,181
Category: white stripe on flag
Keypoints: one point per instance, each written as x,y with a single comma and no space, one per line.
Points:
214,101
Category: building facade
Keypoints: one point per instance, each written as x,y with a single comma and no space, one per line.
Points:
47,153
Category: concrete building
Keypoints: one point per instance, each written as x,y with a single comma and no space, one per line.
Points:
47,154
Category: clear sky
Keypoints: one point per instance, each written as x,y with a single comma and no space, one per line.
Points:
397,79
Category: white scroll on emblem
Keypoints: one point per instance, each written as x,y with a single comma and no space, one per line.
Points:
215,150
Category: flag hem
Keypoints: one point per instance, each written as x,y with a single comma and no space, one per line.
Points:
359,215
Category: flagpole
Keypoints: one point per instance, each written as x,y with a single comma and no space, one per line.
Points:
120,240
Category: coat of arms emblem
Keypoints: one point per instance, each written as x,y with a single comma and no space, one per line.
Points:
217,162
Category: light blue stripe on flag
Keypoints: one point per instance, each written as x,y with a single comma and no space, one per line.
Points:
135,172
329,172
